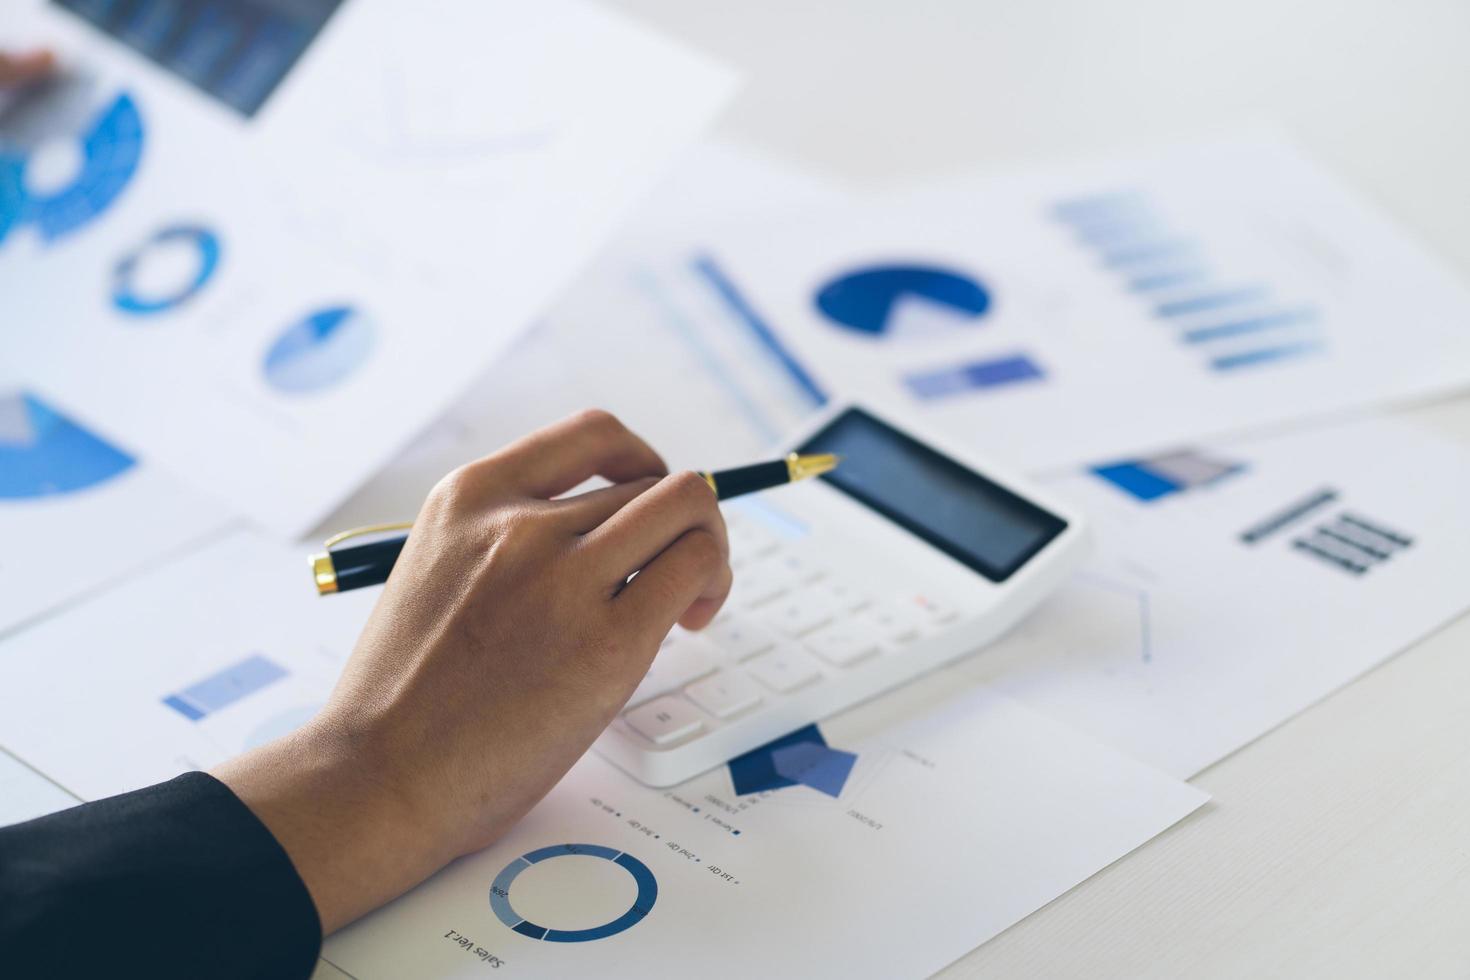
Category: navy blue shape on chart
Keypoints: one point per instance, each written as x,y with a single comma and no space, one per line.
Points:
755,771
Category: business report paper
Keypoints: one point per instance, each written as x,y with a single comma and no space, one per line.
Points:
959,816
683,391
268,246
78,512
1236,584
25,794
921,825
1061,316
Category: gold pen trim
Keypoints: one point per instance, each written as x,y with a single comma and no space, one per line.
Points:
804,467
324,571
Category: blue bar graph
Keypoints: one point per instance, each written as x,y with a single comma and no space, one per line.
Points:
225,687
1167,269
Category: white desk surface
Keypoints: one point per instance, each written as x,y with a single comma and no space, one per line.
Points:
1339,844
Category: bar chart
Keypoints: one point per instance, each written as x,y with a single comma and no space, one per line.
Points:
1233,324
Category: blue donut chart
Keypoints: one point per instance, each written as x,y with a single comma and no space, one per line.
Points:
642,904
112,150
127,300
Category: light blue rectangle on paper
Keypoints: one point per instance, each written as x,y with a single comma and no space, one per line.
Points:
978,375
233,683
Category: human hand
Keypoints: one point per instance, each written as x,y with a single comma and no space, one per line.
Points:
18,69
507,638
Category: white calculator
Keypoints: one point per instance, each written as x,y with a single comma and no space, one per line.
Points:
910,554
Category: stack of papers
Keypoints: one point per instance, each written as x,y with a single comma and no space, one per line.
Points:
240,294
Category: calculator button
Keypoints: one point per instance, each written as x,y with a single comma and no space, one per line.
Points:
892,622
683,658
843,644
799,614
842,595
724,695
739,637
785,669
748,541
937,609
753,586
793,568
665,720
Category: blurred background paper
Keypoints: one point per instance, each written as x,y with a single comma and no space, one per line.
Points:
1219,286
76,512
364,244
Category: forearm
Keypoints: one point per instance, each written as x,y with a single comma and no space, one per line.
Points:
178,879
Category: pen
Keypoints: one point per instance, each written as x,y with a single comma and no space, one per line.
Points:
360,565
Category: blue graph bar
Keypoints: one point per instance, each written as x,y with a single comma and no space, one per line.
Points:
225,687
978,375
1102,206
1210,301
1107,234
183,707
1138,480
705,265
149,26
1149,252
1265,355
1167,280
1236,328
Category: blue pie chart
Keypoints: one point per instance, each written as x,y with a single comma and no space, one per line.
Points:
43,453
111,150
647,894
866,300
319,351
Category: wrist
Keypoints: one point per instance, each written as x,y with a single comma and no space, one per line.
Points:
354,832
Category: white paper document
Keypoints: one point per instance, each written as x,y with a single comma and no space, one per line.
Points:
1235,585
689,384
25,794
267,247
918,826
180,668
77,512
1061,317
959,816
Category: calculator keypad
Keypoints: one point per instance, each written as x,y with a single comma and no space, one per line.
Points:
790,623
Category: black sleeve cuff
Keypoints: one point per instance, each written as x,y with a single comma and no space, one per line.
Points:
176,880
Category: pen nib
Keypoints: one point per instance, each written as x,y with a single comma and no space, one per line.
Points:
802,467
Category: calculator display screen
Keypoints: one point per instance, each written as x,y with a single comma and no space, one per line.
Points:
958,511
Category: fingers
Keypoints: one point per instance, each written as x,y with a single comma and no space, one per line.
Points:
22,69
557,458
586,511
650,522
686,583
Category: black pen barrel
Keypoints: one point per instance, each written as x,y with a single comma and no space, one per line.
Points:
362,565
750,479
